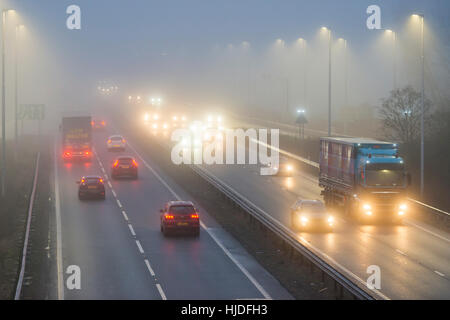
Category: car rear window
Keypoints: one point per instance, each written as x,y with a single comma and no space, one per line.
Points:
125,160
116,138
92,180
180,210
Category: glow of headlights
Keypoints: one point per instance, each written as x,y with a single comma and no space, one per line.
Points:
330,219
403,207
304,219
155,117
401,213
369,213
146,116
164,126
289,168
155,126
367,206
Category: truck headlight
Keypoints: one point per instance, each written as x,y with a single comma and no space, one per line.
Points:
367,207
304,219
330,219
289,168
403,207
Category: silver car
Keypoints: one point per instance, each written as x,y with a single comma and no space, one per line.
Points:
311,214
116,143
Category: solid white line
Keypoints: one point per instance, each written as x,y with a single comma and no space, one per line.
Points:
401,252
439,273
426,230
147,263
132,230
227,253
141,250
27,230
109,184
118,203
124,215
161,292
240,266
59,263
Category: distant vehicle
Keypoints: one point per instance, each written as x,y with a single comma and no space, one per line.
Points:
91,187
124,167
180,216
98,124
285,167
366,177
310,214
76,138
116,143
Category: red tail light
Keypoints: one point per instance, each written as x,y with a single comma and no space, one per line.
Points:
87,153
194,216
67,154
103,123
135,163
82,181
123,141
169,217
116,163
109,140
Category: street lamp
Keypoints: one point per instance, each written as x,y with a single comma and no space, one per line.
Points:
16,87
422,108
303,43
345,72
394,39
329,78
3,168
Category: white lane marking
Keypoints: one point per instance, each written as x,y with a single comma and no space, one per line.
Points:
59,263
225,250
118,203
426,230
161,292
132,230
109,184
114,193
124,215
147,263
103,170
401,252
238,264
439,273
141,250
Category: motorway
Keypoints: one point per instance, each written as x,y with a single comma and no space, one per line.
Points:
121,253
413,257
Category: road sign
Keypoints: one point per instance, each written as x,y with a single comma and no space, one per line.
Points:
31,112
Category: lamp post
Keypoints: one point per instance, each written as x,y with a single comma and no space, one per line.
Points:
16,86
329,79
394,41
3,167
422,107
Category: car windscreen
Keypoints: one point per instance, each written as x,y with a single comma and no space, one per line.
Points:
385,175
182,210
313,208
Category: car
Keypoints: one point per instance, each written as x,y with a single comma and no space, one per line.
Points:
311,214
181,216
125,166
116,143
91,187
284,167
98,124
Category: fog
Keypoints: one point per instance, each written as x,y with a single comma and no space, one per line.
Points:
243,58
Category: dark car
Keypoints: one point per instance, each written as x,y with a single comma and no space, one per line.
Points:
124,167
91,187
180,216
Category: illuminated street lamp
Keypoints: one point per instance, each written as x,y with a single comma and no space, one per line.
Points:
329,78
3,168
422,149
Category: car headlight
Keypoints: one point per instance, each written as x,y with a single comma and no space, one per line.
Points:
330,219
304,219
403,207
367,206
289,168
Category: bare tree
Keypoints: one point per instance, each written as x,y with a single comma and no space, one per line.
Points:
400,114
